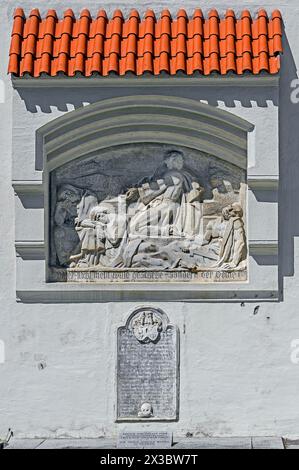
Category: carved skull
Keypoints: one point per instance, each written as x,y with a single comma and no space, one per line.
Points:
146,410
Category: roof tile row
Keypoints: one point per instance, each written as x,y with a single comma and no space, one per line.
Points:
102,46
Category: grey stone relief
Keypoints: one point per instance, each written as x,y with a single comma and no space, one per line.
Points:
147,367
148,212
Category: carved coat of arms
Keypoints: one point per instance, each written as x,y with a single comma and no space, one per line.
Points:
147,326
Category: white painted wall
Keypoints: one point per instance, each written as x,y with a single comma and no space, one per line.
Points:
237,377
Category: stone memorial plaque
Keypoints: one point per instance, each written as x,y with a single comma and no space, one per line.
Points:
147,367
144,440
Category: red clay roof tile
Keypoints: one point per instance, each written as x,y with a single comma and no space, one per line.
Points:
101,46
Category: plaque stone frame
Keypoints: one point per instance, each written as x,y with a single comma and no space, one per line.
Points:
148,336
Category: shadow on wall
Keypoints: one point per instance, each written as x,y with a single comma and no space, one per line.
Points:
45,100
289,165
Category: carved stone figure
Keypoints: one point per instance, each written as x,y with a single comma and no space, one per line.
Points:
102,234
191,213
159,202
65,238
225,237
85,228
233,246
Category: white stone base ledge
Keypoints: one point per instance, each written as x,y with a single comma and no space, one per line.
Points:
271,442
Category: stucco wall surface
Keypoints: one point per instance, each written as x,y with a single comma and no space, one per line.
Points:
239,374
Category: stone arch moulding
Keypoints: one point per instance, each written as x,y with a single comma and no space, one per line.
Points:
110,123
150,118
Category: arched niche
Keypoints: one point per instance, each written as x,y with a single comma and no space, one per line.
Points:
151,118
131,137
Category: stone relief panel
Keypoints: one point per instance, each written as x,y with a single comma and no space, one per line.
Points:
148,212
